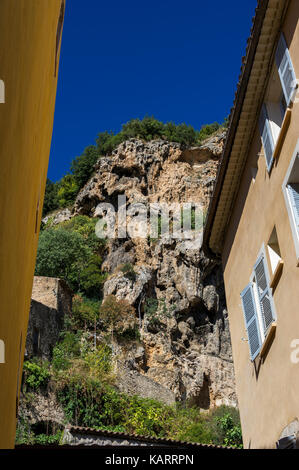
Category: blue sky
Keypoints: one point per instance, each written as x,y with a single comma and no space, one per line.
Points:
177,60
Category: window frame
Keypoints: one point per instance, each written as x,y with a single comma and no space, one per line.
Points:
265,108
263,334
266,131
282,42
262,253
291,215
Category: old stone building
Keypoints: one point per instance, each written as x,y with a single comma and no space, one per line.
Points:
51,300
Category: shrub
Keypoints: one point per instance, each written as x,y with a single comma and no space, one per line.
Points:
108,141
147,416
225,424
92,278
196,432
23,431
67,190
36,374
207,130
84,226
85,312
156,311
148,128
232,432
104,407
99,361
48,439
183,134
67,349
118,315
81,390
128,271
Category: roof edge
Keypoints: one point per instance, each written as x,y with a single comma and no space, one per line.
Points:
154,440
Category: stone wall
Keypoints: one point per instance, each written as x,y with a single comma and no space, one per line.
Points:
134,383
52,292
44,326
51,300
41,407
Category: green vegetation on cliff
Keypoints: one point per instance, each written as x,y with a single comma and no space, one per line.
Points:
83,379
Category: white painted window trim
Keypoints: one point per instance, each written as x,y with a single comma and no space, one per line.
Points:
288,202
256,295
273,134
274,259
258,309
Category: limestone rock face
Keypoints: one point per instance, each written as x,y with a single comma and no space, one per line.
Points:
58,217
127,289
177,292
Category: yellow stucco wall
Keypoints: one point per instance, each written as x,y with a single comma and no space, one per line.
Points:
268,400
27,66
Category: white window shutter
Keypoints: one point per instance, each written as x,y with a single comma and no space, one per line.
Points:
251,321
266,135
264,292
293,189
285,69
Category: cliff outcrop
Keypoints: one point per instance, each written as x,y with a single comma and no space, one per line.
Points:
176,290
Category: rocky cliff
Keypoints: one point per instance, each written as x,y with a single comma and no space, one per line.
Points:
177,292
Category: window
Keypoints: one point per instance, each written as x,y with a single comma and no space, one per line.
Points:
2,92
285,70
280,93
291,193
267,136
35,341
251,320
258,306
253,173
2,352
274,253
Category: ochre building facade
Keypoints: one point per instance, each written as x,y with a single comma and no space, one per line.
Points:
30,36
253,224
